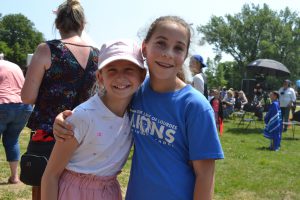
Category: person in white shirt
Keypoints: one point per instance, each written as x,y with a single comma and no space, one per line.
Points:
287,97
199,79
86,165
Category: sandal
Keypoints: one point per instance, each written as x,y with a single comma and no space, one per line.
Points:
11,181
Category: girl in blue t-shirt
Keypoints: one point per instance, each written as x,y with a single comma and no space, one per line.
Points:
176,140
175,136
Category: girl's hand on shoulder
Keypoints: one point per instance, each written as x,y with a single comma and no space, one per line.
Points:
62,130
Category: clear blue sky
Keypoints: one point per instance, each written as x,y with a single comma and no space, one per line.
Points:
124,18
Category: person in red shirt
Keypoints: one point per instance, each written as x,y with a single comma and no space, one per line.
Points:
216,104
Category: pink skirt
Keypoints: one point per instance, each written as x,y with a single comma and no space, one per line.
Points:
78,186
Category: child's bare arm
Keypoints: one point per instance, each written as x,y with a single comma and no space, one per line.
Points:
60,156
204,185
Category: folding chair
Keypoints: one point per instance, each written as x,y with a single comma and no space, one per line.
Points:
295,121
237,115
293,124
247,119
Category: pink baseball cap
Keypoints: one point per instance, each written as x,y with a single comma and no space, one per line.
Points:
123,49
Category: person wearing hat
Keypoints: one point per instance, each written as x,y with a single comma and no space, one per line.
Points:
287,97
199,79
86,166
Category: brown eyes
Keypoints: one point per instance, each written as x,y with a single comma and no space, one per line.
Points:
163,45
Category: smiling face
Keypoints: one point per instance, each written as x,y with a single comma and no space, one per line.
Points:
166,50
120,79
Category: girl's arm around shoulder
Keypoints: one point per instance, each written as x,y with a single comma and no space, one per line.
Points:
204,184
40,62
60,156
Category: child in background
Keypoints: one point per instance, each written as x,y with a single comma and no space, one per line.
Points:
273,121
216,104
86,166
175,136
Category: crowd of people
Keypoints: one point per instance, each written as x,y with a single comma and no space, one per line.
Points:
277,104
93,104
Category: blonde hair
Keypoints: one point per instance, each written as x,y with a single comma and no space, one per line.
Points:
230,92
70,17
243,94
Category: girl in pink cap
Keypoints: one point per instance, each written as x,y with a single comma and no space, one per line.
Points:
86,166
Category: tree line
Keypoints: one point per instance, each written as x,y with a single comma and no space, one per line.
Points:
18,37
254,33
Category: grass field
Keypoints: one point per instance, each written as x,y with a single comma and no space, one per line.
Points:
248,172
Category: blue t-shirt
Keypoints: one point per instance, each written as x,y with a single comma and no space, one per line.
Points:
169,130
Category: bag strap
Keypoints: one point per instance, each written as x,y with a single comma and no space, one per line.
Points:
79,45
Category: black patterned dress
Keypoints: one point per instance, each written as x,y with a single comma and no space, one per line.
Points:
65,85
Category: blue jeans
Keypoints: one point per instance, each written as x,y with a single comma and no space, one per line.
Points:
13,117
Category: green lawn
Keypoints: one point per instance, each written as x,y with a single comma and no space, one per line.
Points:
248,172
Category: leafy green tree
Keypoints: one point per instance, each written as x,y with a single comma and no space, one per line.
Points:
5,49
18,38
215,74
231,74
256,33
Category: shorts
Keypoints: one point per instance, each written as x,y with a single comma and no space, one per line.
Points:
78,186
13,118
